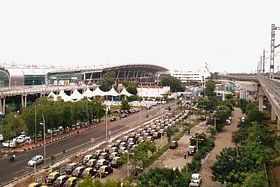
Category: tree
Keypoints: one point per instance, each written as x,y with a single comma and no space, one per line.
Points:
107,81
124,105
97,109
174,83
13,125
163,177
89,182
130,86
210,88
139,156
169,133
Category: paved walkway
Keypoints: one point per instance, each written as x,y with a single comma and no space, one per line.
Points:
223,140
174,158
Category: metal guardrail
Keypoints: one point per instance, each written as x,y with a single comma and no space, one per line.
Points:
272,89
24,90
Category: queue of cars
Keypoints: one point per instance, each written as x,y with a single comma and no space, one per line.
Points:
100,163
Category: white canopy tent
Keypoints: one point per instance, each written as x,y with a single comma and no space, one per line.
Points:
125,92
98,92
53,96
88,93
76,95
112,92
64,96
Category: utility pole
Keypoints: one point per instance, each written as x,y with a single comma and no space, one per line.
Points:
272,49
259,71
263,62
35,123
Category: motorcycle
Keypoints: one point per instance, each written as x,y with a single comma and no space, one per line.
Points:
12,157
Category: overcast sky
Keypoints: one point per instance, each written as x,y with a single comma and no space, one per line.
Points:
182,35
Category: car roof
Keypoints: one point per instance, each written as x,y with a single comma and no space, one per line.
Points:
53,173
89,168
61,177
72,178
79,167
195,175
72,164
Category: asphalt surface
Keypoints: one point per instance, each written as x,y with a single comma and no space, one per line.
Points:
12,170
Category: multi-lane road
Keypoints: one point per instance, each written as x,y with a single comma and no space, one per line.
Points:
74,144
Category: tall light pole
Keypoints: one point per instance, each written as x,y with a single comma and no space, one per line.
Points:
141,101
272,49
35,122
127,166
106,123
44,129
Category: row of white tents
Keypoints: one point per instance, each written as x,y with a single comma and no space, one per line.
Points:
76,95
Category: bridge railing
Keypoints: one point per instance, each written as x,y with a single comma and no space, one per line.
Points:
272,87
44,89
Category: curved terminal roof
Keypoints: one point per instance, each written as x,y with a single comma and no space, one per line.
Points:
151,67
18,72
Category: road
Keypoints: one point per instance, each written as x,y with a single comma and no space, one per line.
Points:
12,170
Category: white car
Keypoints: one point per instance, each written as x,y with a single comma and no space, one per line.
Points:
9,143
38,159
196,179
22,138
1,138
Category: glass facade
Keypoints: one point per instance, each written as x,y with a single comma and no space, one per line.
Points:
65,79
34,79
4,78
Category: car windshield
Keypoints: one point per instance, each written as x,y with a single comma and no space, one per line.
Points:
34,158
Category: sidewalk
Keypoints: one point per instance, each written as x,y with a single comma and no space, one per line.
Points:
223,139
174,158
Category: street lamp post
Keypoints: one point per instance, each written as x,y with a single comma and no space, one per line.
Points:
141,97
106,123
35,123
44,129
127,166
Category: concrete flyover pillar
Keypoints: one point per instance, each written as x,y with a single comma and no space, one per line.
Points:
4,105
273,114
260,98
23,101
1,107
260,103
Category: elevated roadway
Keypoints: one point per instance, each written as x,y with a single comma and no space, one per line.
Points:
266,87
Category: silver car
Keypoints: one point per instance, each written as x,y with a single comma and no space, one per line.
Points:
38,159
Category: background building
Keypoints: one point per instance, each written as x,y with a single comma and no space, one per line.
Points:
190,76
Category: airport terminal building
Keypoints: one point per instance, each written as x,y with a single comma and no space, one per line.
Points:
20,75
